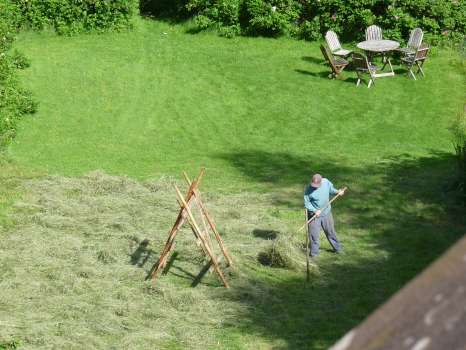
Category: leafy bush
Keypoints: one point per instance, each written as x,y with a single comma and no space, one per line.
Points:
223,15
72,16
15,102
264,18
309,19
19,60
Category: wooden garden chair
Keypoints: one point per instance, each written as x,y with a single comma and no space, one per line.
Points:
336,63
417,60
374,32
414,42
362,66
334,44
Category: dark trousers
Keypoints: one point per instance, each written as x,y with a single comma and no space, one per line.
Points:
326,223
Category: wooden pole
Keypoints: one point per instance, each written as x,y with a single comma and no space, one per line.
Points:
211,224
168,246
160,264
197,199
308,277
196,228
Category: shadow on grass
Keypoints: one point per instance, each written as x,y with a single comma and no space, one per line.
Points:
281,170
321,74
265,234
325,75
402,216
311,59
142,254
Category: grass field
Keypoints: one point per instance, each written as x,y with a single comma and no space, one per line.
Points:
88,181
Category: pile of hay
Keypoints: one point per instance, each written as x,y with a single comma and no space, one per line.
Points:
282,252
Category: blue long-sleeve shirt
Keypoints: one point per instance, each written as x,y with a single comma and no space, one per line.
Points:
318,198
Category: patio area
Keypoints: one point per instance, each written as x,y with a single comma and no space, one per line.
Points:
372,56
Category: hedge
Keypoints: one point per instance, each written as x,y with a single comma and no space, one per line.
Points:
72,16
310,19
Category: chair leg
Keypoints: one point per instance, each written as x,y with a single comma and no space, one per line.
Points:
359,78
419,68
370,83
410,71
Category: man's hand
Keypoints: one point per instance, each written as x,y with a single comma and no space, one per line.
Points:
341,192
317,212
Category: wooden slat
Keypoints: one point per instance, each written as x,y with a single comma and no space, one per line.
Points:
204,244
160,264
211,223
429,313
381,75
197,199
373,32
332,41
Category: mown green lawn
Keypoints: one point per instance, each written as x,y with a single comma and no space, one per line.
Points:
261,116
158,100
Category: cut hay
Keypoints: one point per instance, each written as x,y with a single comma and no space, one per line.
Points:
74,264
282,253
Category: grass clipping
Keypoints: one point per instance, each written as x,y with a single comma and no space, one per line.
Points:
282,252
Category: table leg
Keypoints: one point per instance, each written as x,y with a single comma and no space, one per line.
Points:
391,67
385,61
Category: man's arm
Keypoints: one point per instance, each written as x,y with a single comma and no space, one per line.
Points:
308,204
334,191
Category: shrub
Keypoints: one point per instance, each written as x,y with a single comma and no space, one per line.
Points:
19,60
270,19
222,14
310,30
71,16
15,102
309,19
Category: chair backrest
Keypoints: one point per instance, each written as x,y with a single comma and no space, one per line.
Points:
373,32
332,41
415,38
360,61
421,53
328,56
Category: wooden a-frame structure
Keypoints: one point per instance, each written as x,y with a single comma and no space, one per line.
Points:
202,236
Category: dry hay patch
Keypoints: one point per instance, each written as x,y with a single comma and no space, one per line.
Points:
73,267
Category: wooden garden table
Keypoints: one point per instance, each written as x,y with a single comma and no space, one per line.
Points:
383,47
